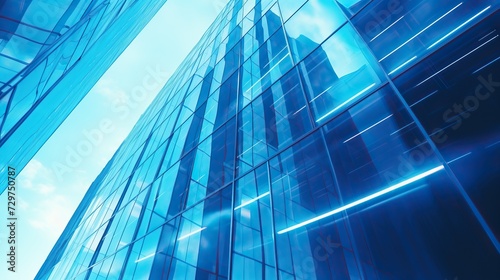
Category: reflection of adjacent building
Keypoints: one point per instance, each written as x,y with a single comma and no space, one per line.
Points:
51,54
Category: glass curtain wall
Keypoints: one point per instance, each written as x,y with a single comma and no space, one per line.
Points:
311,139
51,54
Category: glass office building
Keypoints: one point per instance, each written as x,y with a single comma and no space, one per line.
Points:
313,139
51,54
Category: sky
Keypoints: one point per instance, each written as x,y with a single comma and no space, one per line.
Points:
53,183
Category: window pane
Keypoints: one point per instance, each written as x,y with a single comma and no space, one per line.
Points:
311,25
253,248
454,94
272,121
303,186
401,33
339,73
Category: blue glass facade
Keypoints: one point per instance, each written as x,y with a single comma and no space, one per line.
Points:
310,139
51,54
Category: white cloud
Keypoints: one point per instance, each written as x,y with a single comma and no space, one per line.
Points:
37,178
31,169
111,91
51,215
45,189
23,204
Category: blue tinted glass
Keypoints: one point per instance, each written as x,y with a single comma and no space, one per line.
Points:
453,94
375,145
400,33
339,73
265,66
311,25
253,248
45,50
303,186
271,121
198,241
289,7
351,7
426,220
286,146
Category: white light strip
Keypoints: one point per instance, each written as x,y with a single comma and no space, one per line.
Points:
456,29
401,128
251,200
420,32
363,200
460,157
402,65
145,258
489,146
258,141
312,100
263,76
487,35
386,28
427,96
347,101
449,65
363,131
191,233
303,107
488,64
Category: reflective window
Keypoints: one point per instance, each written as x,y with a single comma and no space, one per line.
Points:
311,25
351,7
264,67
293,149
303,186
253,247
375,145
401,33
338,74
289,7
272,121
454,94
196,244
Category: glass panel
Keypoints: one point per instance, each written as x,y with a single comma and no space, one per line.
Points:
351,7
375,145
311,25
196,244
253,245
272,121
303,186
339,73
267,65
289,7
454,94
428,221
401,33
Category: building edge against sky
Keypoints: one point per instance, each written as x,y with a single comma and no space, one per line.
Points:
37,98
309,140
